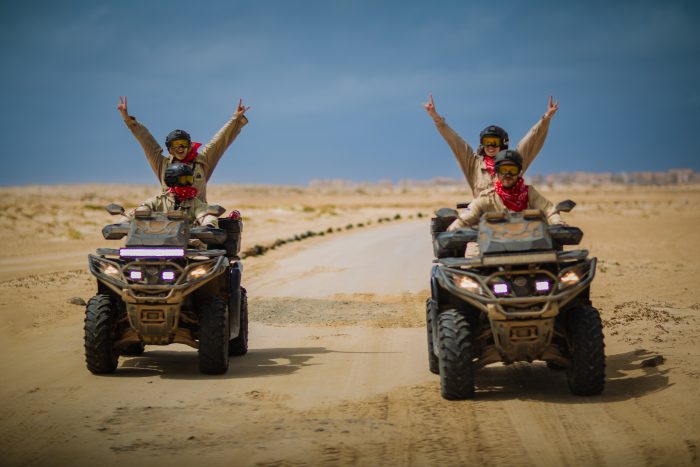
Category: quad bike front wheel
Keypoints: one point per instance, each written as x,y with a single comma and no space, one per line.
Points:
213,336
433,361
100,355
239,345
586,375
455,356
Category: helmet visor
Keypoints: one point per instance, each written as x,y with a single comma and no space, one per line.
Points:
179,143
185,180
508,169
492,141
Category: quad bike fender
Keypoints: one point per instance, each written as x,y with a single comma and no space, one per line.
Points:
234,300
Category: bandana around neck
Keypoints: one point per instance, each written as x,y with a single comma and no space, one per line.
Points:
183,193
516,197
192,155
489,161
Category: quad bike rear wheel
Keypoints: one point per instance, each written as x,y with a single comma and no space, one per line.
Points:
455,356
239,345
586,375
213,336
100,355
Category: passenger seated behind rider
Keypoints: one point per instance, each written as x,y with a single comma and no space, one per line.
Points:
182,196
508,193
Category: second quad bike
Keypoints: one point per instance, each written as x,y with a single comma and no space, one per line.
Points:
170,283
521,297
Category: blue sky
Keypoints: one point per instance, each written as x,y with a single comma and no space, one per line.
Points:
336,87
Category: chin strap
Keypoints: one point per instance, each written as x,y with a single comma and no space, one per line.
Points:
516,197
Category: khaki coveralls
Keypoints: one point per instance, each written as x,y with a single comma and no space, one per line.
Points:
206,160
489,200
473,165
195,210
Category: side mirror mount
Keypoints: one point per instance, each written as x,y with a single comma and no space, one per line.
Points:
114,209
215,210
565,206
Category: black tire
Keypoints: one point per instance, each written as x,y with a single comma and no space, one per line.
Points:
586,375
100,356
455,357
239,345
213,336
555,367
134,349
433,361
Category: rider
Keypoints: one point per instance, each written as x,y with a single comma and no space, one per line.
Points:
182,149
181,195
508,193
478,168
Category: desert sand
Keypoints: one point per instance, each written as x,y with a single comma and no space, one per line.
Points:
337,369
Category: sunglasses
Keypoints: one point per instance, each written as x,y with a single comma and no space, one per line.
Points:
180,144
508,170
488,142
185,180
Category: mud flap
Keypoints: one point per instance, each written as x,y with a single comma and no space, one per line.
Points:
234,300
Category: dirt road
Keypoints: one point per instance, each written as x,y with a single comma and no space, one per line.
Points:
337,374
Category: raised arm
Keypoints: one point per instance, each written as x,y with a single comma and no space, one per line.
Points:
151,148
215,148
462,151
532,142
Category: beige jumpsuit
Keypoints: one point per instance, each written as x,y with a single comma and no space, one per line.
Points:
206,160
195,210
473,165
489,200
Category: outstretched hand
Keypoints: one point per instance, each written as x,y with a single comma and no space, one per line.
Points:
430,108
241,108
122,107
551,109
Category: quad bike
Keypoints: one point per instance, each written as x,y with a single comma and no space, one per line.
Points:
170,283
520,298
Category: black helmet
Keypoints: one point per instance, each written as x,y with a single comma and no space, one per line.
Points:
176,135
497,131
508,156
178,174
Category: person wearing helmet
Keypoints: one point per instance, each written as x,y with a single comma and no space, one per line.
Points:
478,168
181,195
508,193
181,148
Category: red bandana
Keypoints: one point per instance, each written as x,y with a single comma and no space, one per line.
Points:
516,197
489,161
183,192
192,155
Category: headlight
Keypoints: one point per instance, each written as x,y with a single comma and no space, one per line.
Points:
109,270
198,272
569,278
467,283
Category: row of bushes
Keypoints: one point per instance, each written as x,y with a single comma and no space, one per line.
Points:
259,250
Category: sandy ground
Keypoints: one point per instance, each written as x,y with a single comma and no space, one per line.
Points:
337,369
